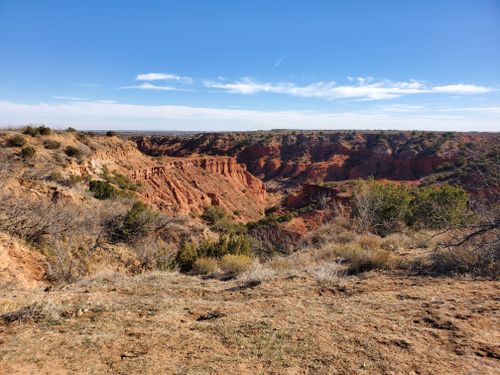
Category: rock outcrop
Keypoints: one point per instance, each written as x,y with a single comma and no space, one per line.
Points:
186,185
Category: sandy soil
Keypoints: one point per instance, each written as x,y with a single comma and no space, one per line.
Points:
381,323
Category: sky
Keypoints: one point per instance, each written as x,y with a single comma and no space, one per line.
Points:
247,65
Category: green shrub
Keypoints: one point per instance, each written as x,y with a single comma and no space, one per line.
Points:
51,144
73,179
225,245
31,131
385,208
119,179
72,151
16,141
71,130
41,130
110,133
28,152
135,224
212,214
436,207
218,220
381,208
44,130
186,256
102,189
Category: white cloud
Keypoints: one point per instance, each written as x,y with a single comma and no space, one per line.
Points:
365,89
461,89
98,115
150,86
70,98
163,77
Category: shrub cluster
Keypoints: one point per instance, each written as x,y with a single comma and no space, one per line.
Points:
385,208
219,221
119,179
189,252
51,144
28,152
102,189
34,131
136,223
72,152
16,141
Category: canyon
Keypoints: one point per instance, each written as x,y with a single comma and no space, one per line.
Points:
285,159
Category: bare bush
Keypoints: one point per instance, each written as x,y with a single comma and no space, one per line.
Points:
36,220
396,242
467,260
153,254
328,273
358,259
369,242
256,274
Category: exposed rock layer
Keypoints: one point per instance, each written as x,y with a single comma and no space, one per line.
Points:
293,158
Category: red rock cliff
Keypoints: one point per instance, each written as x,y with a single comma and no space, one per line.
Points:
184,185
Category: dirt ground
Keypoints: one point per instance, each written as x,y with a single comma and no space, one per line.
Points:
380,323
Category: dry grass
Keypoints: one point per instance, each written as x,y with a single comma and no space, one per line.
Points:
234,265
369,241
421,240
396,242
358,259
205,266
466,260
328,274
346,237
282,265
168,323
256,274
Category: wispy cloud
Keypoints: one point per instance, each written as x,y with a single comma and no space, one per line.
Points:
94,115
495,110
150,86
279,61
163,77
365,89
461,89
69,98
402,108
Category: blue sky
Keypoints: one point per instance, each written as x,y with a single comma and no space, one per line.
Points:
232,65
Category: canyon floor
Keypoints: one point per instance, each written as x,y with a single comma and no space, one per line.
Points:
379,323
